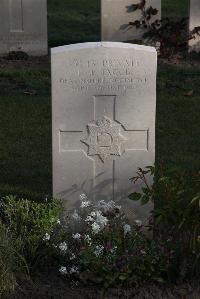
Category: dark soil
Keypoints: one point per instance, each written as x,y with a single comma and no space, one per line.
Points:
51,285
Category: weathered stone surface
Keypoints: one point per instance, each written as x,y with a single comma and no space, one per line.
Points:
115,17
194,44
104,100
23,26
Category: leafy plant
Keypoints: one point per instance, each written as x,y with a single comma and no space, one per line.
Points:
147,190
30,224
176,213
170,36
12,264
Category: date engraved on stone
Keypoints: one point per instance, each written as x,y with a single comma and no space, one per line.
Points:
104,139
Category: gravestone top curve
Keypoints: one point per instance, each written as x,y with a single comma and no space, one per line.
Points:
104,44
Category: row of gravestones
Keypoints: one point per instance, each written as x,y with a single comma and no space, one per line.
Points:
103,112
24,23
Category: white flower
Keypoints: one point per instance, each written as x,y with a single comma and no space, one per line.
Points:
63,247
138,222
89,219
108,206
118,207
127,229
113,250
58,221
98,250
76,236
72,257
103,205
76,216
85,204
88,239
46,237
83,196
53,220
95,228
63,270
100,219
73,270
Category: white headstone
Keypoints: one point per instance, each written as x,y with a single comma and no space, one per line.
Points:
115,17
23,26
104,101
194,44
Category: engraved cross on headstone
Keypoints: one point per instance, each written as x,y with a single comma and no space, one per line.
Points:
104,139
16,15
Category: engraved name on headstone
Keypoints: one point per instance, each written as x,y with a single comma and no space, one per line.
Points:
23,26
116,14
103,101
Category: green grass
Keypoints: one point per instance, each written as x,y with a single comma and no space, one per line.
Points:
178,122
25,105
175,8
73,21
25,134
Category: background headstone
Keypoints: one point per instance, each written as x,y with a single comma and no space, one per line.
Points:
23,26
194,44
115,16
104,101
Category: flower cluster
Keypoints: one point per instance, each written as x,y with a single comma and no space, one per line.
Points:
98,236
46,237
97,221
127,229
73,270
108,206
63,247
85,203
99,250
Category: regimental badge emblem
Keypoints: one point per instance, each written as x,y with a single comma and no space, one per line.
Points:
104,139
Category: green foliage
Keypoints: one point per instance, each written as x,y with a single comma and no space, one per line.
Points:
147,190
28,223
176,214
12,265
170,35
136,260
